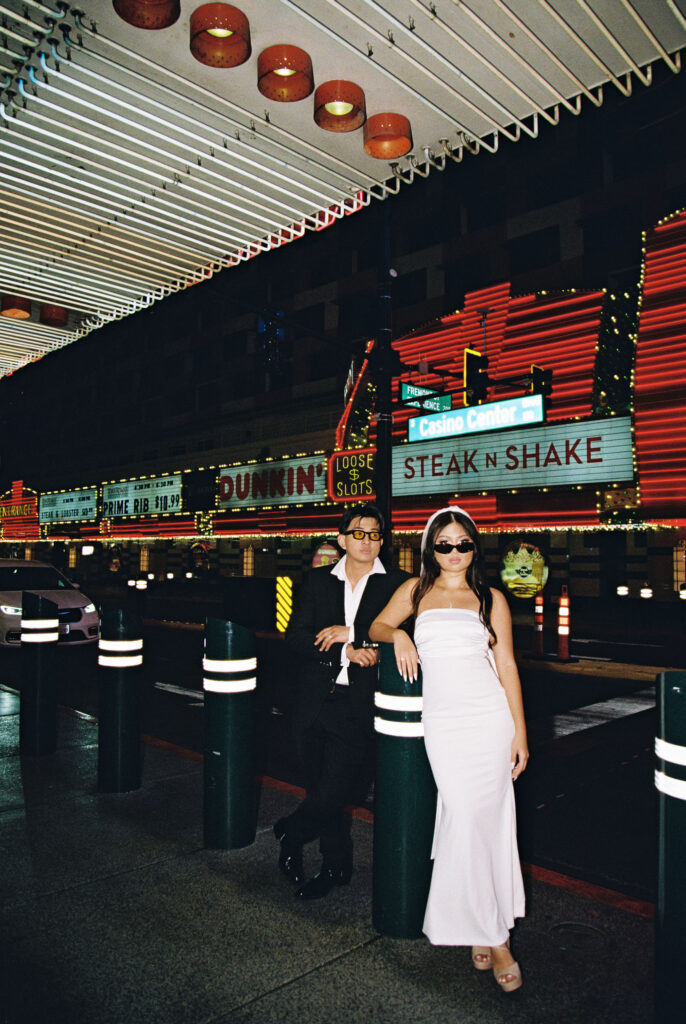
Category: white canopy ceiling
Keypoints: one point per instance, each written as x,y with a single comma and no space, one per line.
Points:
129,170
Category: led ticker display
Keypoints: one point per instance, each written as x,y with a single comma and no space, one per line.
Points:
552,456
351,475
153,496
477,419
68,506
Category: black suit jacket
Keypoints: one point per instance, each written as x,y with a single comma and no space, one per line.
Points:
320,603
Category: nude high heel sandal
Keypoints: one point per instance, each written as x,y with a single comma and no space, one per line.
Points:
501,974
481,958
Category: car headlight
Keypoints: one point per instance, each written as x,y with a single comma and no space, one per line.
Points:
89,608
9,609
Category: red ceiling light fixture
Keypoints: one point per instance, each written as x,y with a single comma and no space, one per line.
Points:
53,316
220,36
339,106
148,13
284,73
387,136
15,307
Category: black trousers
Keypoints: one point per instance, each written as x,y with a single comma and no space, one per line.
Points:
336,756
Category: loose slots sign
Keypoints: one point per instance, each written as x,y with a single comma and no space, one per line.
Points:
351,475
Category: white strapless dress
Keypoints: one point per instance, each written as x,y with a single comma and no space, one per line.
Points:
476,886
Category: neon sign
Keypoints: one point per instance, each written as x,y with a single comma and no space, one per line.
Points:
589,451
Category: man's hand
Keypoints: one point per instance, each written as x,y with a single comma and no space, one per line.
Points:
364,656
331,635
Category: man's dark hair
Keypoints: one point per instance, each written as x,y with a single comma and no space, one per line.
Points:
360,512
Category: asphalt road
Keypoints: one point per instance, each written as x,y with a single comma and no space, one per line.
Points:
586,805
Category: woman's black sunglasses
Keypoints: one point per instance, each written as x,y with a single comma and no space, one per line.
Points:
463,546
361,534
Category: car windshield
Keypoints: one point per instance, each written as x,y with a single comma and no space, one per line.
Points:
31,577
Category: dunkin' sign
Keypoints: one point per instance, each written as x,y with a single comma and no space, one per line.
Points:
282,482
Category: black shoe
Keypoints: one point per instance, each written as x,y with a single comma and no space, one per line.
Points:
324,881
319,886
290,855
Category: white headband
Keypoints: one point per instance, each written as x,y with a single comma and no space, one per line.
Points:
449,508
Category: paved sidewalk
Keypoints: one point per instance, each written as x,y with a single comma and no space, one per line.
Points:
113,913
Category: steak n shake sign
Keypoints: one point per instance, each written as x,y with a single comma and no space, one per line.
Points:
562,454
283,482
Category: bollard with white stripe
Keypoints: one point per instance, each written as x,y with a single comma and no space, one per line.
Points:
38,706
404,805
120,681
229,681
537,640
563,626
670,781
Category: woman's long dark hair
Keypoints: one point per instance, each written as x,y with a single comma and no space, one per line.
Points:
476,576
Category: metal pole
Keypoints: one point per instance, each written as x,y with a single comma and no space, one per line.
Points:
229,681
120,679
38,704
404,805
383,362
670,781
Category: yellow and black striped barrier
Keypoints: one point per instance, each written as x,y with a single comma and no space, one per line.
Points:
120,683
670,782
38,703
229,682
284,602
404,805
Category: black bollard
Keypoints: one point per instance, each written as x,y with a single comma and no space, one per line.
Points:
120,680
670,781
38,704
229,681
404,805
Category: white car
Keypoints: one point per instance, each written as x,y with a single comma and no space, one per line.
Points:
78,616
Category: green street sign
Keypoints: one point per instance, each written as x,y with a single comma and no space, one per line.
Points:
424,398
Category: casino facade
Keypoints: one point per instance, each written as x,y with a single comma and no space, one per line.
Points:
586,486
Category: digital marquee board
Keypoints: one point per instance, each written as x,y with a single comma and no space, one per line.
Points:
154,496
68,506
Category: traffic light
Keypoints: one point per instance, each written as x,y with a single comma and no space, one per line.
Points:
541,384
475,377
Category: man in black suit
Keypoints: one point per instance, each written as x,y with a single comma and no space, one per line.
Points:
335,708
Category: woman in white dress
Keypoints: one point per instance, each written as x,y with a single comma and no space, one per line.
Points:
475,739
